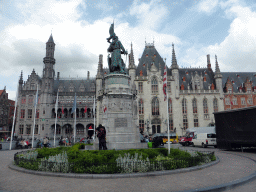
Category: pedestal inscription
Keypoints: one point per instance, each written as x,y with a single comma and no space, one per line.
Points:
120,122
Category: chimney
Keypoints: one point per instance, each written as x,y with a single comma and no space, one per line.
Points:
58,75
88,75
209,62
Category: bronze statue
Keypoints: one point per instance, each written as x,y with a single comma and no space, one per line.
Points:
115,62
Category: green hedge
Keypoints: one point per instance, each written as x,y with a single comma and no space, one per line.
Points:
94,161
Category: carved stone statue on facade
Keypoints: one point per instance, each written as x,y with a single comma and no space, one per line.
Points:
115,62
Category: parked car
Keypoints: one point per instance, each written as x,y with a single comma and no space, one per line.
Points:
204,140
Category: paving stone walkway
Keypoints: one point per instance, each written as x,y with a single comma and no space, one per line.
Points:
232,166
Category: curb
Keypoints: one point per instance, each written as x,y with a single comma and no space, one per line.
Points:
229,185
113,176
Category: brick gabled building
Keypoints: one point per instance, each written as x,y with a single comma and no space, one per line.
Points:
239,89
6,113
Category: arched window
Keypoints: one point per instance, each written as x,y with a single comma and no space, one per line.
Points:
155,106
194,105
205,106
170,105
215,105
184,106
141,107
154,85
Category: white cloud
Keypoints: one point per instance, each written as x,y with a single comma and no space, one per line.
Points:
237,51
207,6
150,15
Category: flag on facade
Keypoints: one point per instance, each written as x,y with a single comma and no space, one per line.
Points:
231,102
74,106
36,99
165,82
62,111
105,109
85,109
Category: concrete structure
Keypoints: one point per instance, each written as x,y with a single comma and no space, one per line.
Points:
118,112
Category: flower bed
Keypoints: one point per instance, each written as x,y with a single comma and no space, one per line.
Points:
72,160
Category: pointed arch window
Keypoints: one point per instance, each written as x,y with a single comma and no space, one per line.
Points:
154,85
215,105
205,105
170,105
155,106
184,106
194,105
141,107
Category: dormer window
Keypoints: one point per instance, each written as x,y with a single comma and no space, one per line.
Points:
229,90
249,91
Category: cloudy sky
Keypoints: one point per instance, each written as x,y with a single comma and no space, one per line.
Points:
226,28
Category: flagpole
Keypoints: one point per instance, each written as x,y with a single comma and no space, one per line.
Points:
75,120
56,111
94,118
17,93
167,99
36,100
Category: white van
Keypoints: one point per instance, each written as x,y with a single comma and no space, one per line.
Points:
204,140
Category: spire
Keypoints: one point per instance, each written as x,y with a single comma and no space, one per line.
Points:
217,69
21,77
131,59
174,61
50,40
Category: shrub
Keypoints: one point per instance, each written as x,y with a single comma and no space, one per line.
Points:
129,163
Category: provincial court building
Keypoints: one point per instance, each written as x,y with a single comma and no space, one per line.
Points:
193,95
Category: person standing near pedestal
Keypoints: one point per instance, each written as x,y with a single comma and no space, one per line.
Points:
102,137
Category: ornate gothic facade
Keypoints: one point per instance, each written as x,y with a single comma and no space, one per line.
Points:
193,95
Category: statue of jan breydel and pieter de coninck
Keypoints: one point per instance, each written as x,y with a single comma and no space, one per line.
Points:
115,62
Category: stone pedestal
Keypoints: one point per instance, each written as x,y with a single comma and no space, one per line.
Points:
120,118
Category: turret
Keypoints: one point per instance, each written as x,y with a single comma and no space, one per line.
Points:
131,68
218,77
99,75
175,73
21,81
48,71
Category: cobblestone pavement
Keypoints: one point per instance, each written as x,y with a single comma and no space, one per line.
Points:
232,166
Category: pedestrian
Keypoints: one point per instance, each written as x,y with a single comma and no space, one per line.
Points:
101,134
45,142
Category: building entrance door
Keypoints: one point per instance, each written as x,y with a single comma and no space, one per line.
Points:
156,129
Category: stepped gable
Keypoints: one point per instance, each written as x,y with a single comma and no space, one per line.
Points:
77,83
238,78
186,72
146,58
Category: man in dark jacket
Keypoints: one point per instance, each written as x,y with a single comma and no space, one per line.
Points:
101,134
